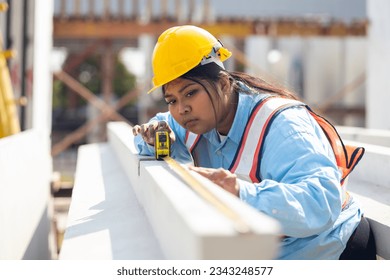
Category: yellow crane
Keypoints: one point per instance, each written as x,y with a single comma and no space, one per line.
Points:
9,120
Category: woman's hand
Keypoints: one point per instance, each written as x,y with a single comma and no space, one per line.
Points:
148,130
222,177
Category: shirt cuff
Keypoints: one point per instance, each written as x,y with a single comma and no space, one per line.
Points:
248,191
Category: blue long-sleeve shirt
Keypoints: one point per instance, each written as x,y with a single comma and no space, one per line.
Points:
300,180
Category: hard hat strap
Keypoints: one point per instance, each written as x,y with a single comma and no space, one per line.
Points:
210,70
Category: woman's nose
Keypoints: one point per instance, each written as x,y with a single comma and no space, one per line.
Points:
184,108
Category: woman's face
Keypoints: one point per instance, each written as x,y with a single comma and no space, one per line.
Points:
191,106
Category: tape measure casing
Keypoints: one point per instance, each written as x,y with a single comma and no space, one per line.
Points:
162,144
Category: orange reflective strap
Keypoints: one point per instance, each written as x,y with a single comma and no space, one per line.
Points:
347,156
354,155
333,138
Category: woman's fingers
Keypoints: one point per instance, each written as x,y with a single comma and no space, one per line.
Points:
148,131
206,172
136,130
163,125
222,177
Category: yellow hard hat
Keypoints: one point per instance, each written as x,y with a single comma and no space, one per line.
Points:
180,49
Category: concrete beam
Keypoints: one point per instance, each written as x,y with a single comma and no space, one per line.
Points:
187,226
380,137
126,206
105,220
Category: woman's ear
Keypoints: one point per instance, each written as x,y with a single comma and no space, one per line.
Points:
225,83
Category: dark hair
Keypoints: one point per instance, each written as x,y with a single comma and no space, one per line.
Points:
261,86
207,75
212,72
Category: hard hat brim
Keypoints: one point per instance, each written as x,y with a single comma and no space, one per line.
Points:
153,89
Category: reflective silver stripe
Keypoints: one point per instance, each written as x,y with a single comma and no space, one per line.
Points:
190,141
254,133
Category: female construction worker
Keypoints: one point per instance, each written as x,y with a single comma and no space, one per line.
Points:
257,141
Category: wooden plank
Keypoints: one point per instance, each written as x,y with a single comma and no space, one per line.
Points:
78,28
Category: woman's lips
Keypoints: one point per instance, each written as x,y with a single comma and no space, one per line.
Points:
190,123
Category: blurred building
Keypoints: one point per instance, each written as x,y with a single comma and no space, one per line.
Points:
316,48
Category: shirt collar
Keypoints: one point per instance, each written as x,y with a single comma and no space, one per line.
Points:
246,102
244,108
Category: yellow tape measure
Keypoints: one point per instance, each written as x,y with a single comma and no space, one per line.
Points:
162,144
239,224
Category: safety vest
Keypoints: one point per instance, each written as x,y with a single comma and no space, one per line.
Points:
246,163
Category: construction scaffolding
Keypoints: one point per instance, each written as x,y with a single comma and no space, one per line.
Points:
85,28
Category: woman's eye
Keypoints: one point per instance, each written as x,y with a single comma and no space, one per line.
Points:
192,92
170,102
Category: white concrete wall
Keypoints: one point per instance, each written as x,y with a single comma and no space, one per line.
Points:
256,50
146,101
355,49
371,136
25,160
324,74
25,166
378,82
42,83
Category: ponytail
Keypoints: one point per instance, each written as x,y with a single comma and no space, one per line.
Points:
259,85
